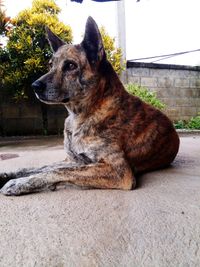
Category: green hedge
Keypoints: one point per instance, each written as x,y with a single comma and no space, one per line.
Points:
146,95
193,123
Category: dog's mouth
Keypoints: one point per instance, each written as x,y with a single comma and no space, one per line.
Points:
51,101
65,100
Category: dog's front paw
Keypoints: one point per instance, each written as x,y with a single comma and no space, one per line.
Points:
14,187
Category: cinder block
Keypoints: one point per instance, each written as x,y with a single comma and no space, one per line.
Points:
182,73
173,113
191,93
27,110
149,82
166,82
170,92
185,111
170,73
182,83
176,92
169,101
194,83
187,102
195,74
160,73
128,72
22,126
163,92
10,111
140,72
134,79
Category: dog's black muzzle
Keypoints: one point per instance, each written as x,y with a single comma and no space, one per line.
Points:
38,87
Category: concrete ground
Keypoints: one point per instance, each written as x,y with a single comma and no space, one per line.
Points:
158,224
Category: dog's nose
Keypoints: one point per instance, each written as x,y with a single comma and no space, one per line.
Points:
38,86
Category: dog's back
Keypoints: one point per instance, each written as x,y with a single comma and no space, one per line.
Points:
149,139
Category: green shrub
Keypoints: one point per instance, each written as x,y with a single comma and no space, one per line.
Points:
180,124
146,95
26,55
114,54
193,123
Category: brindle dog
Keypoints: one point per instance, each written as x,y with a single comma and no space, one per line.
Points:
109,136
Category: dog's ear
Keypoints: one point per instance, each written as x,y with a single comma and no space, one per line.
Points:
92,42
54,41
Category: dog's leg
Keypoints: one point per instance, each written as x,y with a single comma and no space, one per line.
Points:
99,175
5,177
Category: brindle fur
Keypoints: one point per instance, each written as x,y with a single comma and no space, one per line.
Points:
109,135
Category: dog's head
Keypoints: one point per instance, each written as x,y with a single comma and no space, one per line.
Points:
74,69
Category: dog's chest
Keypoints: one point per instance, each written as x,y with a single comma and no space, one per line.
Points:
77,141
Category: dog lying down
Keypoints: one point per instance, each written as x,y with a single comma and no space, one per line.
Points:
110,136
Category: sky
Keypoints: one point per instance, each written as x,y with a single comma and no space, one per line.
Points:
153,27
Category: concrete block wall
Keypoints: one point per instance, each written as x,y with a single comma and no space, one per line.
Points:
177,86
27,118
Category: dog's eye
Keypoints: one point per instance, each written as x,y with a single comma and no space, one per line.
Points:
69,66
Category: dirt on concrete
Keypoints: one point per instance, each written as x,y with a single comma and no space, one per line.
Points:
158,224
